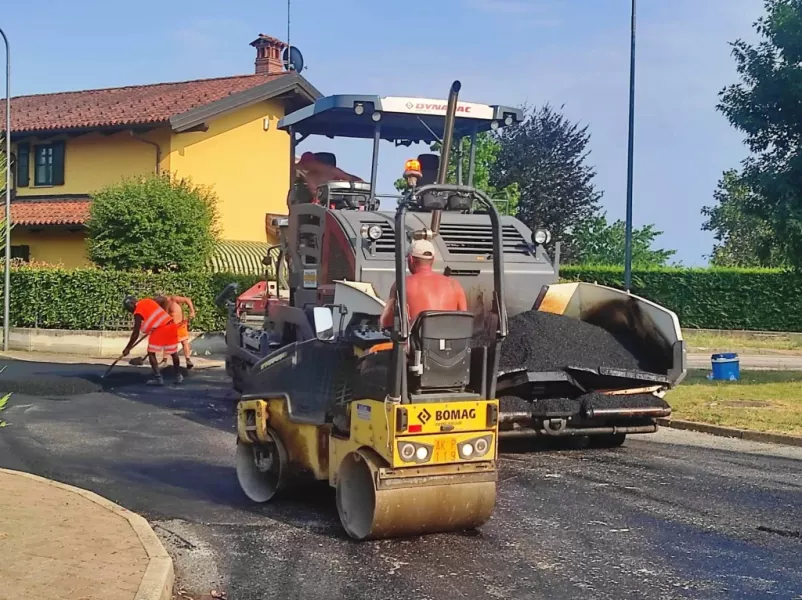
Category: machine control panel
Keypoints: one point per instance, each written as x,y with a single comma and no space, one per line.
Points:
364,331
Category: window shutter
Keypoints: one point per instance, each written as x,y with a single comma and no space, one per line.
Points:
23,164
58,162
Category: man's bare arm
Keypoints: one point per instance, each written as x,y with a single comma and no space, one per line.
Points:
188,302
386,319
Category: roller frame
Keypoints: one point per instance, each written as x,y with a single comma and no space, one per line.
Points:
447,496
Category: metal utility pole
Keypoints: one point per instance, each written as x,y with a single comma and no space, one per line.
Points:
290,66
6,290
631,145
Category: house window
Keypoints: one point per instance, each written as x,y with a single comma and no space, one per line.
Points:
48,164
23,252
44,166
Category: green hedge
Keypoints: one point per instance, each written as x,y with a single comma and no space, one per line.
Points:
756,299
92,298
759,299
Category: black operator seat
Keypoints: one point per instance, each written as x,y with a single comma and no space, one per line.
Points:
443,338
341,194
429,165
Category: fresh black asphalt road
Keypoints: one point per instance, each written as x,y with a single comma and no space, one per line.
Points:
672,515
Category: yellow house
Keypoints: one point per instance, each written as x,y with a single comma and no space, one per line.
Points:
220,132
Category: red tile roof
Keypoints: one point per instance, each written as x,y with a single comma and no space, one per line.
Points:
56,211
122,106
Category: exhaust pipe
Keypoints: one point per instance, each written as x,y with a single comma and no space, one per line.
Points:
445,153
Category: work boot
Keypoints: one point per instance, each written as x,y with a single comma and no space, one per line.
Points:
157,380
179,379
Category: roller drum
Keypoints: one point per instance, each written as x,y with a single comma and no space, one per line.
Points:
261,469
370,513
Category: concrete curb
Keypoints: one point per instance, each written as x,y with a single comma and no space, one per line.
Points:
157,582
202,363
752,362
731,432
100,344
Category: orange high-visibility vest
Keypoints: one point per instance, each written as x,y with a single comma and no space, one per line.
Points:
152,314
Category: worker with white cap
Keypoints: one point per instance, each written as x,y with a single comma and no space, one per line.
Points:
426,290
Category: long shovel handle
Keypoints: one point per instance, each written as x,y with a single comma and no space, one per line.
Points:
121,357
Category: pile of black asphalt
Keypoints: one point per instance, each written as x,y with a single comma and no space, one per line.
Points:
540,341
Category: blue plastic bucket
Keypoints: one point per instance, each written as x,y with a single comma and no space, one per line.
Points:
726,367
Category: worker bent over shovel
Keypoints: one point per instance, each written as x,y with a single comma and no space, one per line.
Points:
174,305
151,319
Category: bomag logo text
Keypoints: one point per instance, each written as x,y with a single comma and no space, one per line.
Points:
455,414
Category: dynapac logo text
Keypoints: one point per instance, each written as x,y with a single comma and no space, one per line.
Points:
441,107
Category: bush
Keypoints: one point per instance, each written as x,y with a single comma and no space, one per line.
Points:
153,222
56,298
717,298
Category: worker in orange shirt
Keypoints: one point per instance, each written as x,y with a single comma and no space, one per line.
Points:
426,290
150,318
174,305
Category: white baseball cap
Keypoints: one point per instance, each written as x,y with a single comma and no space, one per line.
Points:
421,249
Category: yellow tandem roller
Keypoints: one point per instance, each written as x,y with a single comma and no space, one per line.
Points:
403,423
402,470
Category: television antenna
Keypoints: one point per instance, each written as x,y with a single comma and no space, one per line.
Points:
291,56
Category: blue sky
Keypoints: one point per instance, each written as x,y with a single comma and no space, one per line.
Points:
571,53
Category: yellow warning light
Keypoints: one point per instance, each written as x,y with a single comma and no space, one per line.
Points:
413,164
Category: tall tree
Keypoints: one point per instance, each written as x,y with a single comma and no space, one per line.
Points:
766,105
546,157
743,239
602,243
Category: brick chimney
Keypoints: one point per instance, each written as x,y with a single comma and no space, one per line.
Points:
268,55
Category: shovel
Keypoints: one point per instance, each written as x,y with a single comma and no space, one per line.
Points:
121,357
